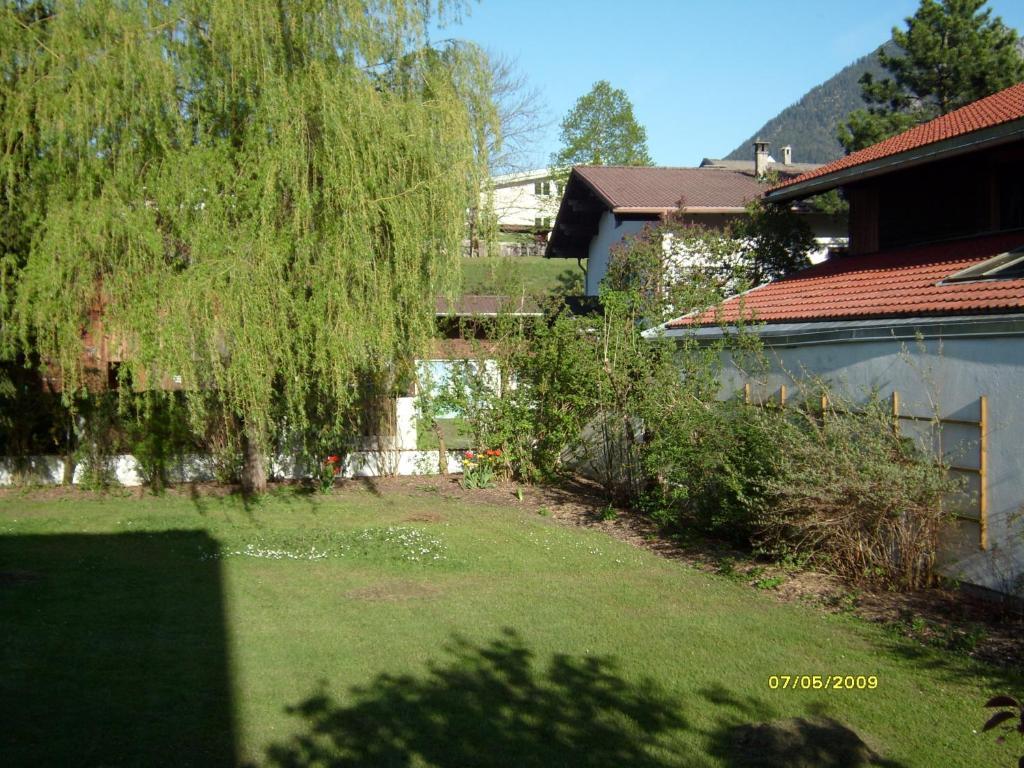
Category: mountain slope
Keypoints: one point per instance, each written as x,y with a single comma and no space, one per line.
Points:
809,125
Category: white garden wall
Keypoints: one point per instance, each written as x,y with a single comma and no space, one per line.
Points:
49,470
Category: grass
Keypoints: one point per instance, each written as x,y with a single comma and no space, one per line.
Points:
514,276
452,430
411,627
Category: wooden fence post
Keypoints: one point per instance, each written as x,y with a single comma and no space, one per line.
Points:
896,411
782,396
746,393
983,470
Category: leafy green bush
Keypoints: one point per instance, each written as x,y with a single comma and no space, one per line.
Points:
840,489
159,436
713,460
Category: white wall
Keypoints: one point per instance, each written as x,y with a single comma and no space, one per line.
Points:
827,233
398,457
608,234
516,204
49,470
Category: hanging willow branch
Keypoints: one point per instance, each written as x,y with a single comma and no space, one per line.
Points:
249,198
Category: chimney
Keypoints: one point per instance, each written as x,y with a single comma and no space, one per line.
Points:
760,158
787,155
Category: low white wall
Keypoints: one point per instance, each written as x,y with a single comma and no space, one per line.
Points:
49,470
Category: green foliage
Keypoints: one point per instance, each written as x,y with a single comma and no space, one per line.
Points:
326,471
769,582
600,129
530,398
713,460
841,490
678,264
565,391
952,52
260,199
33,421
100,438
831,202
159,435
521,275
776,239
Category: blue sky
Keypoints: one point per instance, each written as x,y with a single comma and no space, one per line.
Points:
702,74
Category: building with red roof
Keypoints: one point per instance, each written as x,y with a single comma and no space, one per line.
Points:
926,308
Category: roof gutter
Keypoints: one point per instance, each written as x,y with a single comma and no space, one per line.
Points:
957,145
815,332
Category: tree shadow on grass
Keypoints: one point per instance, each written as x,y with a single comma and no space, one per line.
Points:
489,705
495,705
113,651
749,734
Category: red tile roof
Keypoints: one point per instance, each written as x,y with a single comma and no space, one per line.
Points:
1002,107
641,187
887,284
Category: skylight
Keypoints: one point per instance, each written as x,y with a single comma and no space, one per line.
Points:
1005,266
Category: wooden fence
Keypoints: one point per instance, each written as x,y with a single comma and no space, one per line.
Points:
981,424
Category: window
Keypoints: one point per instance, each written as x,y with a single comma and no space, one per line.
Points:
542,188
542,223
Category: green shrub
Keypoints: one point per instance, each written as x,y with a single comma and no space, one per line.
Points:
840,490
159,436
713,461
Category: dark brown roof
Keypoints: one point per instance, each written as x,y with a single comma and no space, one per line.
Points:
633,187
642,193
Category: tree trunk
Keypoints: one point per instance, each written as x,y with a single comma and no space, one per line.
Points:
254,473
442,451
69,469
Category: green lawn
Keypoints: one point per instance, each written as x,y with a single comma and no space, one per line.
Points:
406,626
514,276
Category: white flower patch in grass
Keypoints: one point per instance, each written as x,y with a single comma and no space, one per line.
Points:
394,544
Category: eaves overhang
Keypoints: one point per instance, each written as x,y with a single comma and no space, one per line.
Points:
940,150
663,211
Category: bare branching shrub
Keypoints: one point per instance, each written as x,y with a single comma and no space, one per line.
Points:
849,492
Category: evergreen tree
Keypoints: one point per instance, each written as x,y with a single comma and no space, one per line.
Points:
952,52
259,199
600,129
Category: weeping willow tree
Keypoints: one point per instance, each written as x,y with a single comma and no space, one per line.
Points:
259,198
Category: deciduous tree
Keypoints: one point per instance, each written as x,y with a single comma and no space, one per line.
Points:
601,129
263,199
